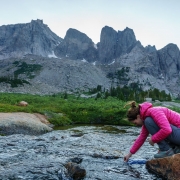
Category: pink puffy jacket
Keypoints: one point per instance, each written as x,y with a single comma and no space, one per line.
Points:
163,117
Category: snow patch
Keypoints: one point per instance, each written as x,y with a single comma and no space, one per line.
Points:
52,55
112,62
94,63
83,60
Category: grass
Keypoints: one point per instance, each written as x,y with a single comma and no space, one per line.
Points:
73,110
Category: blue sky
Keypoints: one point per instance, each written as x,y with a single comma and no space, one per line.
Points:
155,22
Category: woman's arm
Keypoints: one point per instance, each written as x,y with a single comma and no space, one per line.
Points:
140,140
138,143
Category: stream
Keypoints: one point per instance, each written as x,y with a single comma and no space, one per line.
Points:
100,150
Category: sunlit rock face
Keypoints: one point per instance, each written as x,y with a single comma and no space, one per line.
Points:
167,167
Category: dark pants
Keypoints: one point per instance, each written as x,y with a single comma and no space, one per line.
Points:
172,140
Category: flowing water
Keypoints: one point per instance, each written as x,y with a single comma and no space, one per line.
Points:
100,148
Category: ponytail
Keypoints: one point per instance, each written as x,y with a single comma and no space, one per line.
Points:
133,111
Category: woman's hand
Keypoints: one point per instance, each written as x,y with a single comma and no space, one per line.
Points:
126,158
151,142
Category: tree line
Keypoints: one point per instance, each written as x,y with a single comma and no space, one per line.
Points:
131,92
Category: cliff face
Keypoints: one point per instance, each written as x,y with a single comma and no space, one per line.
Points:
169,58
31,38
114,44
107,45
77,46
157,69
89,63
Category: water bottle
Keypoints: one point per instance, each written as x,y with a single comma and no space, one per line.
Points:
137,161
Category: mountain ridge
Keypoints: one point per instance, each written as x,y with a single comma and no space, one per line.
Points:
34,41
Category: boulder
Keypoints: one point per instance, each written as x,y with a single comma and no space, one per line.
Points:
168,167
22,103
23,123
75,171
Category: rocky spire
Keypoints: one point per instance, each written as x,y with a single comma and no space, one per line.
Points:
150,49
77,45
114,44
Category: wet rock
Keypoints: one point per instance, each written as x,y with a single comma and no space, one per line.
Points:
54,138
75,171
77,135
112,129
76,160
23,123
63,175
167,167
95,155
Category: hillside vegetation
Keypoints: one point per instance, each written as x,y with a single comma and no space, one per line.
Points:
63,109
101,107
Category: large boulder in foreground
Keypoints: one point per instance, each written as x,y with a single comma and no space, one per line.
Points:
23,123
168,167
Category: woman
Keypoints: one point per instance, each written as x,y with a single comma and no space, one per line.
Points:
162,123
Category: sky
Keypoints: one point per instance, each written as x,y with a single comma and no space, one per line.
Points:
154,22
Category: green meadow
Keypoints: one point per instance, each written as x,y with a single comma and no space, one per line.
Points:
63,109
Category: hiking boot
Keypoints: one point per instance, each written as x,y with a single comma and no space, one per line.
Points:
162,154
176,149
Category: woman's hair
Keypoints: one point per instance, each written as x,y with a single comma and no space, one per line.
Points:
133,111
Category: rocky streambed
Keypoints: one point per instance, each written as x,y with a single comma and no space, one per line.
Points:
97,149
